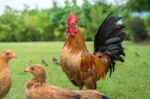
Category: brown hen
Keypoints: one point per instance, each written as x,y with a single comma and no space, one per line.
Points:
37,88
5,76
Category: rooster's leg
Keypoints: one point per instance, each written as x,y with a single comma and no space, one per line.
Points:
89,83
81,87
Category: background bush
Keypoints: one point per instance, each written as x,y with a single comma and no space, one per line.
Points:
49,24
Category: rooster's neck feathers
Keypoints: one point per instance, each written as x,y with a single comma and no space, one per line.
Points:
76,43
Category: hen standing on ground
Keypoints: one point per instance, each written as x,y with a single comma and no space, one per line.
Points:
83,68
37,88
5,77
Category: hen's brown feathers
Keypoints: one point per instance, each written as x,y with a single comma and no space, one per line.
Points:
5,82
41,90
5,76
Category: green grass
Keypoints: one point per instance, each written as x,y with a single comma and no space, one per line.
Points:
131,80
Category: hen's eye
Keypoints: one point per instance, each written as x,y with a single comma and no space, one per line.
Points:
7,53
32,68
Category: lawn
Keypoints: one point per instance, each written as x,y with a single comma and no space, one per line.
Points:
131,80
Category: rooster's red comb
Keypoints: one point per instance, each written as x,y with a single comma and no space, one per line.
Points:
71,19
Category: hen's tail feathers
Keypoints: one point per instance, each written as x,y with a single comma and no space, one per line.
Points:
108,41
104,97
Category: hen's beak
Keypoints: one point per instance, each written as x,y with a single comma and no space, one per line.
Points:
14,56
26,70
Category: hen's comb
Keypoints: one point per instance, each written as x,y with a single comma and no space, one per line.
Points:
71,19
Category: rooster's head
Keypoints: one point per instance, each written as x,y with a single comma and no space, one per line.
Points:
71,25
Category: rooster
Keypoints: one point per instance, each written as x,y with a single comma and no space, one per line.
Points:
84,68
5,77
37,88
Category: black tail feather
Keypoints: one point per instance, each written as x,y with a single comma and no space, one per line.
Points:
108,40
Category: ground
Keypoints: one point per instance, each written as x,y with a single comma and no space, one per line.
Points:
130,80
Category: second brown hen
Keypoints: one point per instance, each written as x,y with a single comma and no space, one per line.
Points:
5,76
37,88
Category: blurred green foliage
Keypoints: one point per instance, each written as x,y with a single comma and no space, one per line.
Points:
139,5
49,24
137,28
